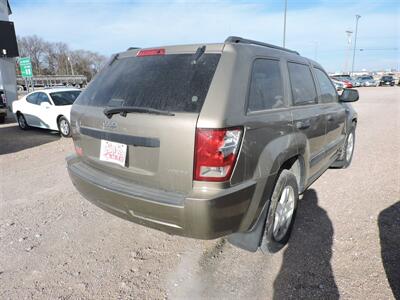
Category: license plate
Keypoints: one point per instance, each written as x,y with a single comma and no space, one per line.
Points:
113,152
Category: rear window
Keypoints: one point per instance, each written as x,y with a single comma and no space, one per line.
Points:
167,82
387,78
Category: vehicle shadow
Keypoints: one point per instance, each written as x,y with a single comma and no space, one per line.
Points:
306,271
389,234
13,139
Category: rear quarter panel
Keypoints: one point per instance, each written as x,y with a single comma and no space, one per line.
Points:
269,138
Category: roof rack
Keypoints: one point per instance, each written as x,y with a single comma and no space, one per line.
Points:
237,40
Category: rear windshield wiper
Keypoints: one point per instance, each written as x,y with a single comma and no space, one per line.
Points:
123,110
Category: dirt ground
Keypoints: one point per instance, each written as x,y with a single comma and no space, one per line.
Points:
346,242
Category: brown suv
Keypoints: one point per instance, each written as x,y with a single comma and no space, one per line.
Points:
209,140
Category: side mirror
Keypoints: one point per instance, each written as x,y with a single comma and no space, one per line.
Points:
349,95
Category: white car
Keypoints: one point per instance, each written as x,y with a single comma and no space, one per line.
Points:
48,109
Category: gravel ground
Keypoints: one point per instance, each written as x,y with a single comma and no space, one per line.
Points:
346,241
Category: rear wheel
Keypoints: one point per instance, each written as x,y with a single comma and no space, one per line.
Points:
281,213
64,127
2,119
22,122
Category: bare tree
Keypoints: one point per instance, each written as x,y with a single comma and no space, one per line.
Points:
32,46
52,58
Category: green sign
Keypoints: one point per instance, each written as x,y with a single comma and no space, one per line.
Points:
26,67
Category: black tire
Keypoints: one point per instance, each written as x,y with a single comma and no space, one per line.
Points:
274,238
344,161
64,127
2,119
22,122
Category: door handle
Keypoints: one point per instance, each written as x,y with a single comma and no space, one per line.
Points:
303,124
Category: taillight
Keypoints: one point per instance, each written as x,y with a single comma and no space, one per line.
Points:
151,52
215,153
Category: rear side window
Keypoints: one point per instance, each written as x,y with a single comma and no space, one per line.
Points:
42,97
303,88
328,92
165,82
266,89
64,97
32,98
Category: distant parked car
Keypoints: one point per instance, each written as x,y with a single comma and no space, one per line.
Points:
386,80
346,81
3,106
356,82
48,109
338,84
367,81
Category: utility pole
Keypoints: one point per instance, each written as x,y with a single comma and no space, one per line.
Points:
284,25
348,51
355,44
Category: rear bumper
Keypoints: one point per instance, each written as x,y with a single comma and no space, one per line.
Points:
202,214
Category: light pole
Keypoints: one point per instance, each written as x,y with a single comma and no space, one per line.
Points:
348,51
284,25
355,44
72,70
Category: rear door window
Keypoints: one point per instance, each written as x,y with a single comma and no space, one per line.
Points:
266,88
302,83
171,82
328,92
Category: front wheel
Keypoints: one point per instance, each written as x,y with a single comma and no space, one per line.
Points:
64,127
346,156
281,213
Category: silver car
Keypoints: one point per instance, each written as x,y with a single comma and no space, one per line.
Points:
367,81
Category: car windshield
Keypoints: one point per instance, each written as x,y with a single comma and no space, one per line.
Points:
387,78
168,83
64,97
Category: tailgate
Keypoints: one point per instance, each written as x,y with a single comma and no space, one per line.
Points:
159,148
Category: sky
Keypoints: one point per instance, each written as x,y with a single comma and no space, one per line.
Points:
315,28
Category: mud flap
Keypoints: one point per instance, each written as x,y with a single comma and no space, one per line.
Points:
251,240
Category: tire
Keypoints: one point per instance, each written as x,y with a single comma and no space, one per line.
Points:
346,157
2,119
284,197
64,127
22,122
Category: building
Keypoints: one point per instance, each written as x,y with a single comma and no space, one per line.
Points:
8,54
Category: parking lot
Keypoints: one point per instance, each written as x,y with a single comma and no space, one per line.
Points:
346,241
